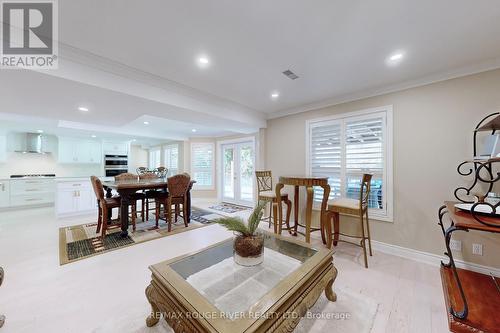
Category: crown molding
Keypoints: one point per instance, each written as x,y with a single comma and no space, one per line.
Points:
439,77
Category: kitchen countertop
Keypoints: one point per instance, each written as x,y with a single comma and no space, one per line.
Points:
59,178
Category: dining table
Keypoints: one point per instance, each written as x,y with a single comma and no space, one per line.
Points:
309,183
126,188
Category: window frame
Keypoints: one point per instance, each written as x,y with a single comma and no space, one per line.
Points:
387,112
193,169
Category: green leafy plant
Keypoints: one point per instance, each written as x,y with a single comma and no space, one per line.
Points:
237,224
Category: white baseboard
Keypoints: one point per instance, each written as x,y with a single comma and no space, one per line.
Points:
430,258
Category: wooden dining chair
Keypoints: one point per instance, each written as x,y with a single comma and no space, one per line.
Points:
105,205
150,195
266,193
177,187
161,172
138,196
355,207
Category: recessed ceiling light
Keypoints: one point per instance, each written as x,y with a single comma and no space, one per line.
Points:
146,123
39,131
83,108
94,136
134,140
203,61
193,130
275,95
395,58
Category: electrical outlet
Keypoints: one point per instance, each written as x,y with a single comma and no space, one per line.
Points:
456,245
477,249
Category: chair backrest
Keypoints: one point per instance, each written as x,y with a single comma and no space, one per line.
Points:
161,171
126,176
148,175
98,188
141,170
364,193
264,180
178,185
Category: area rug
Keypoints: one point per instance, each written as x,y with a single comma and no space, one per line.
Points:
81,241
228,208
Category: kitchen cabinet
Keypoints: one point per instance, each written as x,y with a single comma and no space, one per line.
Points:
3,148
76,151
27,192
4,193
115,148
75,197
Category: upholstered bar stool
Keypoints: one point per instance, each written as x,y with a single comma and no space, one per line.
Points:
354,207
268,194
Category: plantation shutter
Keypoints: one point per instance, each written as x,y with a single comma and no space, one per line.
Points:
172,159
202,164
326,156
364,153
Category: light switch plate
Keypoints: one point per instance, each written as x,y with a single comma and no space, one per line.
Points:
477,249
456,245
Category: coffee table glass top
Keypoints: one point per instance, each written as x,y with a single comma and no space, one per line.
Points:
232,288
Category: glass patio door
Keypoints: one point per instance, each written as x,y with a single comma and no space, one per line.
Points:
238,173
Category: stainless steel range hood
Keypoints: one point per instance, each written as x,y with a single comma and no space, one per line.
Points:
32,144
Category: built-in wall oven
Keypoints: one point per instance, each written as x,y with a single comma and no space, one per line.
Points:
115,165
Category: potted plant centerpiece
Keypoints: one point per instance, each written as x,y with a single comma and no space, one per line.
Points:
248,244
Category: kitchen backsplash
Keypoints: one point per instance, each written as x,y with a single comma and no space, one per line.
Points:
18,163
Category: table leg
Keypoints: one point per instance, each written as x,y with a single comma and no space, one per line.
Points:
296,209
309,204
125,202
278,210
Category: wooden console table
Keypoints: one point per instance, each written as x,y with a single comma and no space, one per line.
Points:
308,182
462,287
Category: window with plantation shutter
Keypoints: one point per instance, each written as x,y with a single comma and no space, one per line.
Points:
154,158
344,147
202,165
172,159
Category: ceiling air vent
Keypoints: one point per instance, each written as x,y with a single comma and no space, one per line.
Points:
291,75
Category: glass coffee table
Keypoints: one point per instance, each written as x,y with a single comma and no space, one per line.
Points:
208,292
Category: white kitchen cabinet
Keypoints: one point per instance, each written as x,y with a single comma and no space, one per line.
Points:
75,197
4,193
28,192
115,148
77,151
3,148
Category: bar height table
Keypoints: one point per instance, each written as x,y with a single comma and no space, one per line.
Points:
308,182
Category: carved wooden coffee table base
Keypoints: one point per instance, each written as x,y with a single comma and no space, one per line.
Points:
166,302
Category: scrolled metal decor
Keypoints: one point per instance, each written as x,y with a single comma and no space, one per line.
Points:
482,183
478,214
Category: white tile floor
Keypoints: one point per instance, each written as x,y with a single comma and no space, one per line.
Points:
106,293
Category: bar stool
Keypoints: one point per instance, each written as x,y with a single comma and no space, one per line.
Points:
266,193
353,207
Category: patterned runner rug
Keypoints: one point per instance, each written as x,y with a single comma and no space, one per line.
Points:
228,208
81,241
